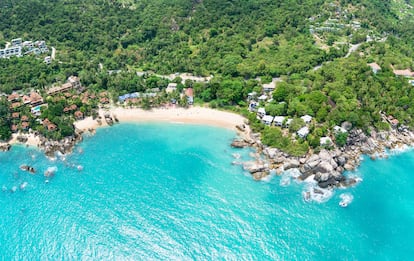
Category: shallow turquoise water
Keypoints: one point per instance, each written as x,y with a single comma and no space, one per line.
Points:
169,191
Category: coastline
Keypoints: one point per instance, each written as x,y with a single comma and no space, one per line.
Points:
193,115
325,167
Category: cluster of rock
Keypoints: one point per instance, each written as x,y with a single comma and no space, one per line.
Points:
64,146
5,146
325,167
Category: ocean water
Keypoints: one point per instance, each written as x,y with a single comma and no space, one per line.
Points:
170,192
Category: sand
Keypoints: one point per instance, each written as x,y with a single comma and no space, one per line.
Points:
32,140
193,115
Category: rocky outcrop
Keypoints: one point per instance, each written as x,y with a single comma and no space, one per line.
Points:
64,146
5,146
239,144
325,167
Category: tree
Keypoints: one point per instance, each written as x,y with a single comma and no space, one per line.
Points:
296,124
340,138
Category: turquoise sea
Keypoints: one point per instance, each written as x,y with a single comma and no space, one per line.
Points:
170,192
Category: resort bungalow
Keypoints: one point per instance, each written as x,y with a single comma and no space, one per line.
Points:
303,132
253,105
73,83
251,96
374,67
25,125
267,119
13,97
405,73
261,112
278,120
26,99
35,99
269,87
172,86
14,128
338,129
262,98
78,115
325,141
288,121
25,118
307,119
15,115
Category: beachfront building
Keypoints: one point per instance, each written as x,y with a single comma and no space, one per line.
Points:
267,120
339,129
172,86
278,121
72,84
262,98
325,141
35,99
303,132
253,105
251,96
13,97
307,118
261,112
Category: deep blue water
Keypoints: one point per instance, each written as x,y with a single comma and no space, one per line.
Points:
169,191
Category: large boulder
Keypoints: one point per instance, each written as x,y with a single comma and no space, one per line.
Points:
328,183
341,160
309,166
260,175
254,167
291,164
324,167
271,152
238,144
320,177
279,160
349,166
324,155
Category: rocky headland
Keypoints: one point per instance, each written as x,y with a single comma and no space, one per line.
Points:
326,167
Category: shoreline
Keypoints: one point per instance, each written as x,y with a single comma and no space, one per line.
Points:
326,167
193,115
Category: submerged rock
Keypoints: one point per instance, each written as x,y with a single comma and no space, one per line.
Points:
239,144
260,175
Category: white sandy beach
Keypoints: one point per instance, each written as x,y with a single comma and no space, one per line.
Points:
32,140
194,115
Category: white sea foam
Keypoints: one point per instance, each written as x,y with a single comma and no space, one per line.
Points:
346,199
285,181
268,178
314,193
